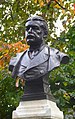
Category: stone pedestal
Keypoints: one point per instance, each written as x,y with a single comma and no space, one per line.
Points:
37,109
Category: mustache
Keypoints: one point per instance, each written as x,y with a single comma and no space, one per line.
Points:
31,35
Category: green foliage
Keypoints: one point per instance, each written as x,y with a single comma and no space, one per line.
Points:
62,80
13,14
9,95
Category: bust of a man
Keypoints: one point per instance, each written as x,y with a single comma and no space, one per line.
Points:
34,64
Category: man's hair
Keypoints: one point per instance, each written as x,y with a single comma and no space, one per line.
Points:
43,23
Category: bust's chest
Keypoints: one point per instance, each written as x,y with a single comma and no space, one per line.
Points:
28,63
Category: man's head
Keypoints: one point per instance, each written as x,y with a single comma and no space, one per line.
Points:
36,30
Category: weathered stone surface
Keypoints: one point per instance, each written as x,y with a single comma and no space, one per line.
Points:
38,109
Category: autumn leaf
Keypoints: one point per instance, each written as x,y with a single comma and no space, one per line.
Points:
41,3
57,6
48,1
1,63
7,50
35,1
74,8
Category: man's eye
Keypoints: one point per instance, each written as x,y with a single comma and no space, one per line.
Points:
27,28
35,28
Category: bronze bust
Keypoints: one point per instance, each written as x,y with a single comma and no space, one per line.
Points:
34,64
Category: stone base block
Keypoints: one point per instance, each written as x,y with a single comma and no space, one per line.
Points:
38,109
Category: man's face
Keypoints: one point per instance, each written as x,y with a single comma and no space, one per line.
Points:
33,33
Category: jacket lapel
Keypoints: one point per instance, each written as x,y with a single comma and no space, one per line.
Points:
37,60
24,60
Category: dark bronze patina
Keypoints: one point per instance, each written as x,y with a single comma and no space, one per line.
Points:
34,64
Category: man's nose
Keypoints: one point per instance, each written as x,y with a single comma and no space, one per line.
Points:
30,29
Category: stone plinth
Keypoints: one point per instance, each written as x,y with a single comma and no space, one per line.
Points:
37,109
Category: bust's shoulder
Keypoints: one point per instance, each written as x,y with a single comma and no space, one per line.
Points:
20,54
17,57
51,50
14,60
54,50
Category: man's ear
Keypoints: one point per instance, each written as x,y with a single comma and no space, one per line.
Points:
45,33
45,36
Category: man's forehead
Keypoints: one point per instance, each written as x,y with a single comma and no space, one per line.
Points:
35,18
33,23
